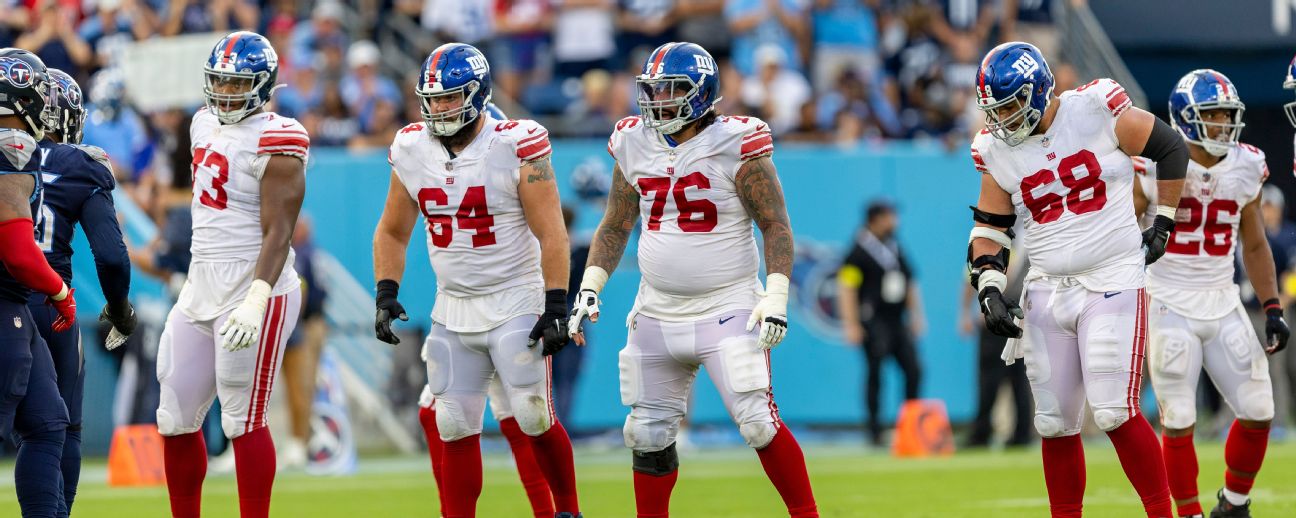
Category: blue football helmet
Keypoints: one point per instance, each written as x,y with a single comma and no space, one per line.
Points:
680,83
1290,83
25,88
495,112
1016,75
66,114
1199,91
240,75
590,179
454,88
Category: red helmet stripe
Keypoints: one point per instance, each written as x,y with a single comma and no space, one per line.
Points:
1223,83
981,74
660,56
229,45
432,64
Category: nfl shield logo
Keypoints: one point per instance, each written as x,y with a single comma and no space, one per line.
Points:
18,322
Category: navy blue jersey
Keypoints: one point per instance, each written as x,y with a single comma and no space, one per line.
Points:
18,156
78,184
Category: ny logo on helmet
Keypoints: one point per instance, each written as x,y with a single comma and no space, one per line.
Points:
705,65
1025,65
478,64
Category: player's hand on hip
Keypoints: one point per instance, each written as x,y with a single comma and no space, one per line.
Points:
585,307
123,324
551,328
389,309
1276,331
1155,238
243,327
771,312
1000,312
65,304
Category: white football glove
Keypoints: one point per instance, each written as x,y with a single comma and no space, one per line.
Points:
115,339
771,312
587,303
243,327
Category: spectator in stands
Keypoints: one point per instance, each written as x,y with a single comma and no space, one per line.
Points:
992,374
300,93
114,126
583,38
845,38
330,124
963,22
464,21
880,308
591,115
521,32
114,24
642,25
775,92
383,123
855,109
754,23
364,87
703,22
324,31
189,16
14,19
1281,234
56,40
1031,20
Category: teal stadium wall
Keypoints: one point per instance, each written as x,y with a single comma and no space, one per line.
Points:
817,379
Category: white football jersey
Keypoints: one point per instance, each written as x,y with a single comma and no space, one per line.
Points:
228,162
1073,190
697,250
486,260
1199,255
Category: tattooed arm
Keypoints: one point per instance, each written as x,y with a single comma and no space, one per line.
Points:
762,196
543,211
618,222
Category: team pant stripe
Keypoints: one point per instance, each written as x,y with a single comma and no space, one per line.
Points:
1136,356
769,393
256,382
264,356
273,367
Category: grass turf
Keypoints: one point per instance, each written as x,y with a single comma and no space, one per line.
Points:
724,483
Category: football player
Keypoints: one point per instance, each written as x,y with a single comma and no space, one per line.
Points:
1062,164
32,407
225,335
529,472
78,184
500,253
700,180
1197,319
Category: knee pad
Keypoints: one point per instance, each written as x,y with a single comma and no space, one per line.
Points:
1049,421
532,414
426,400
1256,402
656,463
232,428
1176,413
645,435
500,406
1049,425
757,435
452,422
170,421
1108,419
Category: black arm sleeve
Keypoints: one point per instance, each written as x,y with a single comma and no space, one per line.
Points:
99,220
1166,147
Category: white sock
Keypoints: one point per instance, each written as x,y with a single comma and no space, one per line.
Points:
1235,498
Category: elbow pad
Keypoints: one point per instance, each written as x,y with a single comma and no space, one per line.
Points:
1166,147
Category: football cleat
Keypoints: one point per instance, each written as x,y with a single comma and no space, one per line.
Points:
1226,509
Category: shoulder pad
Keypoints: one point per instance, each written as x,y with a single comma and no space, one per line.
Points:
99,156
530,139
283,136
757,140
18,148
1107,92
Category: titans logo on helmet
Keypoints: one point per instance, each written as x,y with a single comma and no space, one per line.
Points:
17,71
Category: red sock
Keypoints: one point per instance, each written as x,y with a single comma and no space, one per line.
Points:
436,448
553,452
652,494
184,459
1140,456
533,480
785,466
1244,452
1181,469
1064,475
463,458
256,473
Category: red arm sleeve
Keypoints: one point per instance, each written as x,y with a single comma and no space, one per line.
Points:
24,259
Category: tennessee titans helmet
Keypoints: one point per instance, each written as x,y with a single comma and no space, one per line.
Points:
1014,74
454,88
66,113
1290,84
25,88
240,75
1199,91
680,83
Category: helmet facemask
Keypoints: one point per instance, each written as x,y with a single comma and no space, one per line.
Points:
1228,132
1013,129
231,95
458,111
664,102
1290,107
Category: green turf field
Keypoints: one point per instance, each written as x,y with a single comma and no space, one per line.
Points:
725,483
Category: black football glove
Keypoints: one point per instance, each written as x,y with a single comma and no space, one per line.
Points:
388,309
999,312
1155,238
552,326
122,317
1276,330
